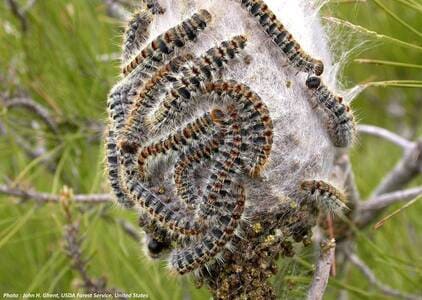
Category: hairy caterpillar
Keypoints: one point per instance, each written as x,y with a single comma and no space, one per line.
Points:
328,198
341,124
175,37
282,38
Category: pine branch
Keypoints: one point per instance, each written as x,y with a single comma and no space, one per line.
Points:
388,199
385,134
52,198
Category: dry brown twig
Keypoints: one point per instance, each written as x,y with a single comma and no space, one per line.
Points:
19,14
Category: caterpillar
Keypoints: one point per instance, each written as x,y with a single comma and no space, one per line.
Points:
202,70
231,140
340,123
175,37
136,33
194,256
328,198
175,221
282,38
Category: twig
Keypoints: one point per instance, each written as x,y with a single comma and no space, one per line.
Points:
28,6
53,198
385,134
405,170
19,14
344,172
131,230
34,107
116,10
38,152
385,200
73,245
322,273
354,259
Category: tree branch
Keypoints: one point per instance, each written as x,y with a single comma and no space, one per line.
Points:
34,107
354,259
129,229
405,170
54,198
20,15
343,171
369,210
116,10
385,200
385,134
322,273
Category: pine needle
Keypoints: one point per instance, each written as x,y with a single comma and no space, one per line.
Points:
385,219
397,18
387,63
373,34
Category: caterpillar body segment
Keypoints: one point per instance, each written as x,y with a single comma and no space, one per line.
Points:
157,209
134,132
251,108
340,120
166,43
117,107
224,162
136,33
328,198
157,240
216,237
150,202
185,167
197,130
154,7
297,57
191,84
113,170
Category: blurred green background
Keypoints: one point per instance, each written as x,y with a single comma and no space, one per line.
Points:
59,62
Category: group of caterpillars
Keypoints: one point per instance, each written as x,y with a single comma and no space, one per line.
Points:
185,168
